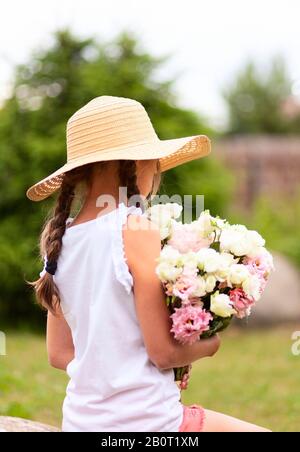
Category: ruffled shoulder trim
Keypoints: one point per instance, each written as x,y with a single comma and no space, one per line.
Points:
120,261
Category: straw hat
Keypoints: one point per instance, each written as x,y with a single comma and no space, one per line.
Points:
117,128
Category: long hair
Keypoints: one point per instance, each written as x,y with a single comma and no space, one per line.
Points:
46,291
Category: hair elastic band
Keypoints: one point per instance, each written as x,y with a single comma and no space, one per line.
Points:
49,267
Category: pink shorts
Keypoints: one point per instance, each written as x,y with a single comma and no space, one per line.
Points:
193,418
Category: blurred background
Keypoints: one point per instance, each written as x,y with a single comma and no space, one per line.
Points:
231,71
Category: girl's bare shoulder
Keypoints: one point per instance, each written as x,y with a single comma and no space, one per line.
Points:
141,237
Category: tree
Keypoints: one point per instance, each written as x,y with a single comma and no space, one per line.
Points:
47,90
256,101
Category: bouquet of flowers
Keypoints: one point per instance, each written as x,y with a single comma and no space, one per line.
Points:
211,272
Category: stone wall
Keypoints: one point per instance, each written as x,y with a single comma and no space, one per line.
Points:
14,424
262,165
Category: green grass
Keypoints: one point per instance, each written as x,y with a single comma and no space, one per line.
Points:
29,387
254,376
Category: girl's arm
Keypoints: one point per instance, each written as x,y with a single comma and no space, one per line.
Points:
142,247
59,341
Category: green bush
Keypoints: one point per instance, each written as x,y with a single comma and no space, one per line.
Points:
277,221
47,91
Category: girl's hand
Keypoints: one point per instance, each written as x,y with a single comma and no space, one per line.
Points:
213,344
186,378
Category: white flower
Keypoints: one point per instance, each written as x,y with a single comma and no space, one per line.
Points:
219,222
189,260
164,232
170,265
174,209
162,215
215,263
252,287
221,305
226,260
200,291
210,282
237,274
168,272
238,240
207,226
255,239
204,224
170,255
208,260
161,212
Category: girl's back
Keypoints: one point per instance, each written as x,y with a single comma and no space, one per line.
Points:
113,384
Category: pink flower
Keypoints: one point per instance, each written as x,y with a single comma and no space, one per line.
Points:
261,265
189,322
260,268
185,285
169,289
263,283
241,302
185,239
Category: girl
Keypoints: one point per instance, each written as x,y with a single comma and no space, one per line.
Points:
108,326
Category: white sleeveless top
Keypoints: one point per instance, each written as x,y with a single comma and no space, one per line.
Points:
113,387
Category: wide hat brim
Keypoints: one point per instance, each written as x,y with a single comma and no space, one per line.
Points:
170,153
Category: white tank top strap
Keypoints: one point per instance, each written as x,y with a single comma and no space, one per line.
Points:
119,258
